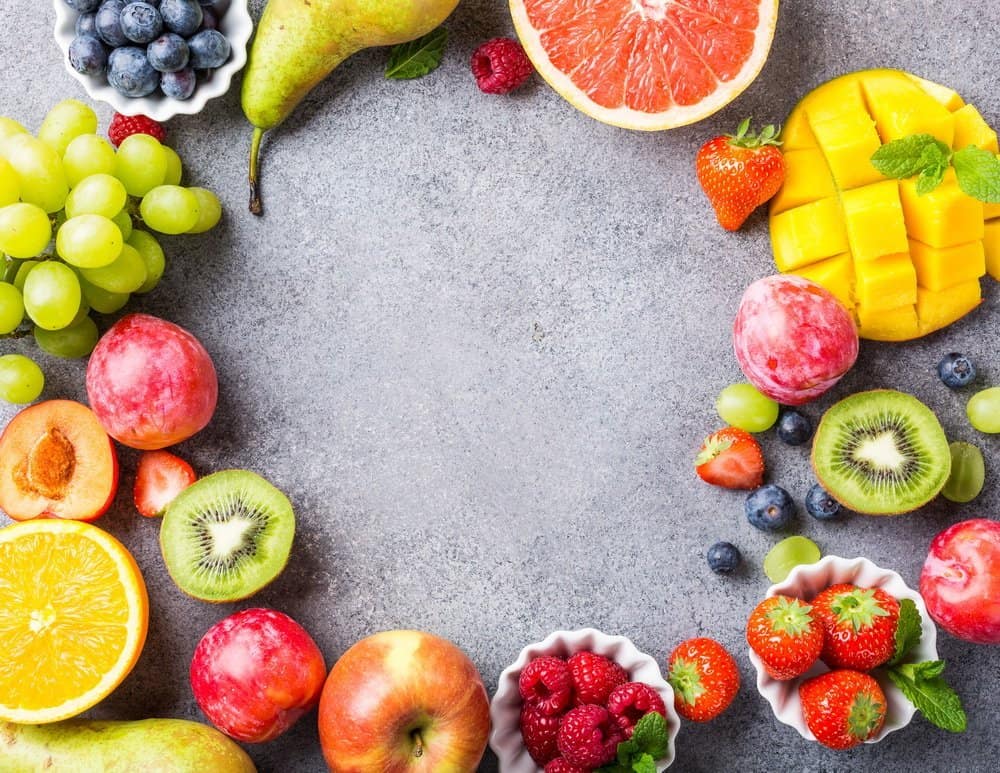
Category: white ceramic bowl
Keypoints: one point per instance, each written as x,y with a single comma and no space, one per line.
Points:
235,24
505,708
805,582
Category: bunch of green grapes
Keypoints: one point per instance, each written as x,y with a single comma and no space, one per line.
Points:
70,205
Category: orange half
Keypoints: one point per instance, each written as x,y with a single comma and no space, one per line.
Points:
73,618
647,64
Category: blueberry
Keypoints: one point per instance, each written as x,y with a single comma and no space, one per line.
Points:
209,19
131,73
769,508
83,6
141,22
178,85
956,370
794,428
108,23
209,49
87,55
723,557
819,504
168,53
86,24
181,16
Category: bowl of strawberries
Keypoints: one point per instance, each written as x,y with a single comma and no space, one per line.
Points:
846,653
578,701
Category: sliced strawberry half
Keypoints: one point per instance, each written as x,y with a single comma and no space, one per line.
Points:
731,458
160,477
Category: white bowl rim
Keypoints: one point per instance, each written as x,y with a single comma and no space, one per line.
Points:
505,736
238,26
788,712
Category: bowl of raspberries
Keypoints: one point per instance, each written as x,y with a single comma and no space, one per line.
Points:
153,57
581,701
846,653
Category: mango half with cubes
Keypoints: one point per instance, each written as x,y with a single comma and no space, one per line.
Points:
903,264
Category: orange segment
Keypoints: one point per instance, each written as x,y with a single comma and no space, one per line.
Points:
73,618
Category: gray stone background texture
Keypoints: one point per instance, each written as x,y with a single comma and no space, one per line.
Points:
477,340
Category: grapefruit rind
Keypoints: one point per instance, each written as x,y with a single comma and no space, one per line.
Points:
628,118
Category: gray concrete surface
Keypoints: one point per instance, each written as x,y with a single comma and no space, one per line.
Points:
477,341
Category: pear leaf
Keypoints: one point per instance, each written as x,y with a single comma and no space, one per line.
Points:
418,57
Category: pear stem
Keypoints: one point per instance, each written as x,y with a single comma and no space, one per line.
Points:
255,204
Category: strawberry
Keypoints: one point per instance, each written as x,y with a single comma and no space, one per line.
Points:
842,708
860,626
731,458
159,478
785,636
740,172
705,679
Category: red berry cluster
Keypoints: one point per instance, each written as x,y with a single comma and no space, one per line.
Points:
576,711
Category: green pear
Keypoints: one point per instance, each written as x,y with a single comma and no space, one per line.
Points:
80,746
299,42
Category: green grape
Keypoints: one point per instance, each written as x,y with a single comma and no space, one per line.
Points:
89,241
174,168
968,473
169,209
76,340
98,194
209,210
741,405
22,273
983,410
124,222
10,187
127,274
11,308
152,256
86,155
102,301
21,380
66,121
25,230
9,127
52,295
788,554
141,164
39,171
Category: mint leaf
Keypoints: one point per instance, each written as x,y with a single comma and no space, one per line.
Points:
906,157
907,631
625,751
418,57
978,173
651,735
932,696
930,178
645,764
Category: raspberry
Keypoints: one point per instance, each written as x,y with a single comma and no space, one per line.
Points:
559,765
545,683
589,737
123,126
500,65
594,677
539,733
630,702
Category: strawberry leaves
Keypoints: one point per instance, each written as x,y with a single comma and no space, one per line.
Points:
649,742
977,170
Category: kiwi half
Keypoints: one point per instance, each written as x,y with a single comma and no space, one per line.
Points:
881,452
227,536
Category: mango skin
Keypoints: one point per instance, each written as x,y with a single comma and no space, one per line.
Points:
299,42
80,746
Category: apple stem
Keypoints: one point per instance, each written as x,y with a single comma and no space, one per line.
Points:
418,743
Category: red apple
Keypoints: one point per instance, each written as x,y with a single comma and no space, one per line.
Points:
151,383
960,581
793,339
255,673
403,702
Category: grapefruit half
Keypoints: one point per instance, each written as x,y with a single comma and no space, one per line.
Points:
647,64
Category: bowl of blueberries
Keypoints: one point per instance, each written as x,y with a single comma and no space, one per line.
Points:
156,58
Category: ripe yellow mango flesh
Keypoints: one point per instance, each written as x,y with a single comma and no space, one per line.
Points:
903,264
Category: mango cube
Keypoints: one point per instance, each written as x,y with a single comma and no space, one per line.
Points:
886,283
874,219
939,309
939,268
848,143
945,216
835,99
807,178
991,211
808,233
991,247
946,96
899,324
901,108
836,274
796,134
971,129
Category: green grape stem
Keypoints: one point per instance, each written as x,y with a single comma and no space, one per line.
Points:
256,208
